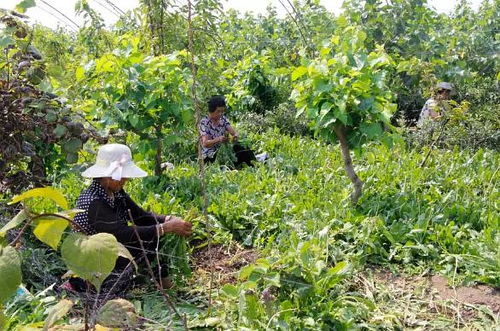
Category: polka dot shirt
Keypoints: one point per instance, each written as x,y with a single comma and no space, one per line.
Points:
97,192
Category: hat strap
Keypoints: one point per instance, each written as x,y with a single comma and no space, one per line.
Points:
115,169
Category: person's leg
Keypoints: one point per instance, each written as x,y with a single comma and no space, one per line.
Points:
243,155
209,160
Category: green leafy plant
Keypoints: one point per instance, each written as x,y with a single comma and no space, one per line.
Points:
40,131
144,95
343,93
90,257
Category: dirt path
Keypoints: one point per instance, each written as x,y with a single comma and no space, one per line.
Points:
436,289
476,295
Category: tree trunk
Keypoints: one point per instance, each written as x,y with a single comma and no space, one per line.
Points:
158,151
346,156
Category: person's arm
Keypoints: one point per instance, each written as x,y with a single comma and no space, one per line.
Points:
104,219
175,224
232,132
434,110
207,142
433,114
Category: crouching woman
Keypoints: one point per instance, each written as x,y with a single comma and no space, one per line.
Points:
108,208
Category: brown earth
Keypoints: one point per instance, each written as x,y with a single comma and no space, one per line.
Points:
438,291
222,262
476,295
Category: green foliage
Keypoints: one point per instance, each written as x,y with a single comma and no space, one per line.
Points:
36,123
118,313
132,82
10,268
90,257
16,221
46,192
144,95
24,5
250,88
345,86
57,312
50,230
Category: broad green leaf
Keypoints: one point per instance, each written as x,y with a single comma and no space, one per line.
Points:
3,320
71,158
340,268
91,257
57,312
60,130
342,21
51,116
10,269
24,5
118,313
372,130
134,120
273,278
298,72
44,192
124,252
230,290
73,145
18,219
105,63
342,116
79,73
187,116
171,139
49,230
246,271
6,41
211,322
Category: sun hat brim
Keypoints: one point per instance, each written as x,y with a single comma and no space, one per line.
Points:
130,170
445,86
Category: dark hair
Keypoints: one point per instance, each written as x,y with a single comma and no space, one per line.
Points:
216,101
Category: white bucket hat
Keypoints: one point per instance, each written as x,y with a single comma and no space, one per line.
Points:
445,86
115,161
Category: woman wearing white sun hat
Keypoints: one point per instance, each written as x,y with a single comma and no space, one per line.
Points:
433,108
107,207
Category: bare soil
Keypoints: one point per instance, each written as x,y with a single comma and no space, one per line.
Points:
438,291
476,295
223,262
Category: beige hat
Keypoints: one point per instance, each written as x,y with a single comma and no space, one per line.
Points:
115,161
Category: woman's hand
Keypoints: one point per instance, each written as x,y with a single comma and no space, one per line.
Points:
222,139
176,225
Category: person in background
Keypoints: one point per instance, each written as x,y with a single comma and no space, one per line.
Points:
108,208
433,108
213,132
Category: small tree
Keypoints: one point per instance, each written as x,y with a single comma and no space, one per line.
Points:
146,95
39,131
342,92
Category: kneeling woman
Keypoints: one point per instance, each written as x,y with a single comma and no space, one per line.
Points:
108,208
213,129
